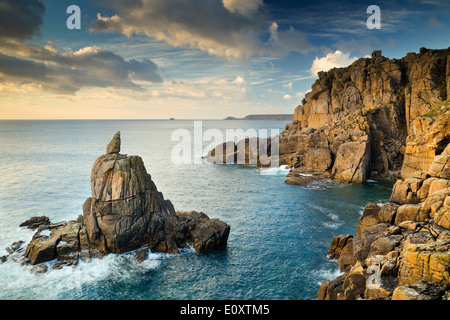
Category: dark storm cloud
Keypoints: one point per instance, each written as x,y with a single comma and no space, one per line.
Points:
70,71
51,70
20,19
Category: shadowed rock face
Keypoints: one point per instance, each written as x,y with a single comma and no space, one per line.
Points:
126,212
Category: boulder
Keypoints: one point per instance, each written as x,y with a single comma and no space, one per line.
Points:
352,162
114,145
369,217
318,159
204,233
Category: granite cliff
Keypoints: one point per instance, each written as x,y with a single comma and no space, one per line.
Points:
401,250
125,213
359,122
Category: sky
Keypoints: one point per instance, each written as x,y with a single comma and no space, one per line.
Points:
192,59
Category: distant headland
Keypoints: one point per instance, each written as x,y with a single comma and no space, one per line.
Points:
275,117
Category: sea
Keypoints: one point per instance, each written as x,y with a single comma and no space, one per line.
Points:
280,234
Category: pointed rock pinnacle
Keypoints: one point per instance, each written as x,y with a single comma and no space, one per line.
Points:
114,145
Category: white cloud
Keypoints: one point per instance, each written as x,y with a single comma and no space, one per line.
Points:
288,85
297,96
337,59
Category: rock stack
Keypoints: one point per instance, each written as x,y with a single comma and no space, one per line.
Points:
126,212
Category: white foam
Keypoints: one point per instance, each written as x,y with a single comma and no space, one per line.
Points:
274,171
20,282
45,232
334,217
332,225
328,274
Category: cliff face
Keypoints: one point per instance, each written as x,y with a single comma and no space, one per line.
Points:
364,116
401,248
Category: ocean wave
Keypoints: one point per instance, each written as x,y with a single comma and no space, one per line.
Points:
327,274
281,170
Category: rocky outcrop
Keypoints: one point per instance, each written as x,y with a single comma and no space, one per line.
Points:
402,249
126,212
377,102
368,118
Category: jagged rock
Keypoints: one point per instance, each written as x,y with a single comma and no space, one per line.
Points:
35,222
422,290
42,247
354,286
408,212
428,137
331,289
441,164
126,210
369,217
337,245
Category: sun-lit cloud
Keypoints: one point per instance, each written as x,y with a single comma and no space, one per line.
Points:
247,7
335,59
234,32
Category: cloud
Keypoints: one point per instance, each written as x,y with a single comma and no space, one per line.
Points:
337,59
205,89
435,24
230,29
290,40
20,19
70,71
247,7
44,68
288,85
297,96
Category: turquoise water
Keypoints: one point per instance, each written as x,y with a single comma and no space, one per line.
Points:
280,234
